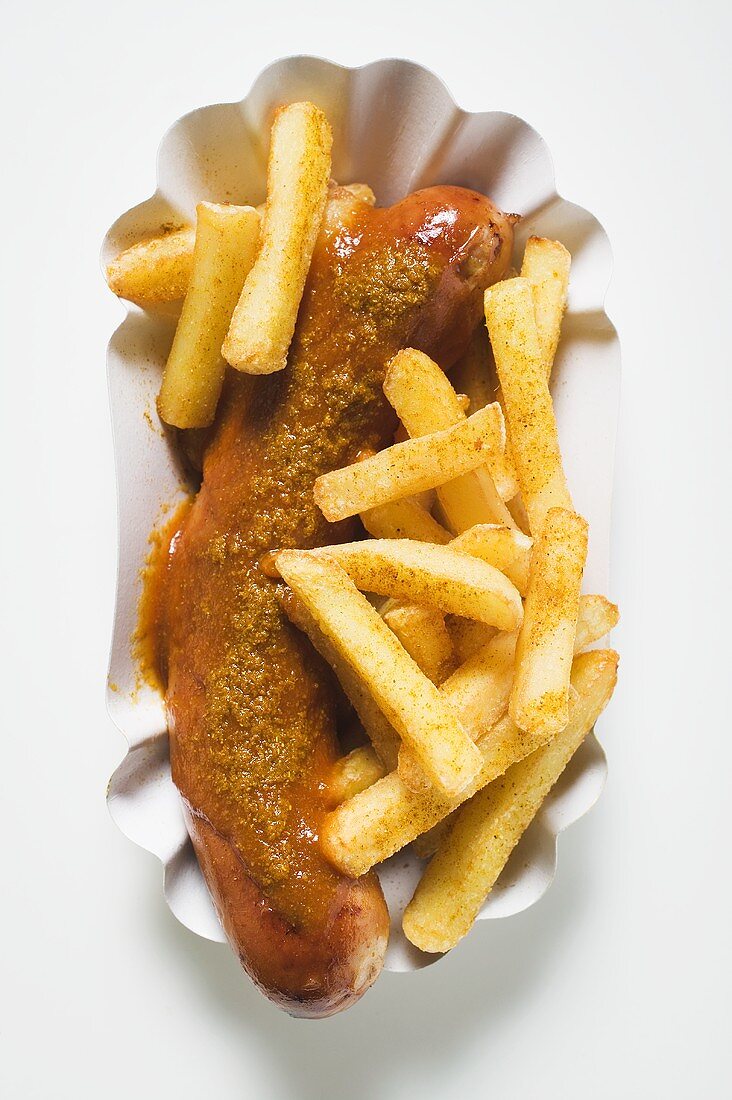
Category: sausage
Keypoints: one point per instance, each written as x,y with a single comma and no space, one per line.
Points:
251,706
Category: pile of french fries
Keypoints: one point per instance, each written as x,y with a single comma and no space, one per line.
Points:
472,679
469,666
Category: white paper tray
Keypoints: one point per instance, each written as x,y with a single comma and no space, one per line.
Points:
397,128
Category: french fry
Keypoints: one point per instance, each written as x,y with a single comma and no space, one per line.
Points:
404,519
378,729
532,428
354,773
156,270
386,816
427,843
517,508
298,171
478,692
409,701
487,828
226,243
471,376
468,636
426,403
506,549
597,617
423,633
410,770
479,689
410,467
432,576
546,265
539,697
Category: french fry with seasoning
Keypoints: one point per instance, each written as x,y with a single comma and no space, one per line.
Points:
506,549
409,701
410,467
379,730
298,171
404,519
546,265
226,244
478,691
468,636
353,773
472,376
156,270
487,828
423,633
532,428
432,576
387,816
425,402
540,694
597,617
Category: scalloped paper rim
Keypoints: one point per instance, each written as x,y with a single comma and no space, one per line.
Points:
216,153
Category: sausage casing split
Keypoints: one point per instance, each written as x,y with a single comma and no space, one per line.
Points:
251,705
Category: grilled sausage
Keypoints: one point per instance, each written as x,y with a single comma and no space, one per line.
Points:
251,705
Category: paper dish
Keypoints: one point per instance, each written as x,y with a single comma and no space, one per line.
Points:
396,128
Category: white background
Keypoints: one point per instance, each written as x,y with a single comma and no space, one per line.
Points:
615,984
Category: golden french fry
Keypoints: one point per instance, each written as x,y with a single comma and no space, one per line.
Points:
410,467
472,376
404,519
378,729
387,815
427,843
409,701
532,428
423,633
156,270
539,697
410,770
226,243
479,691
425,402
354,773
487,828
546,265
298,171
517,508
393,812
480,688
432,576
468,636
506,549
597,617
